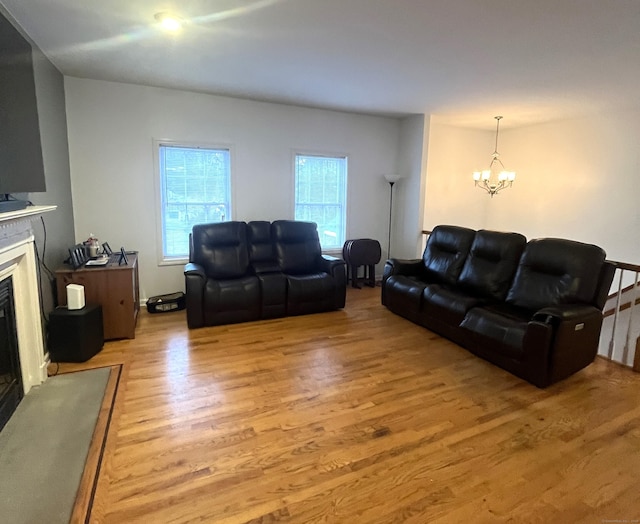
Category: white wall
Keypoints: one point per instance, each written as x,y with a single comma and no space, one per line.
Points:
576,179
454,154
111,128
408,193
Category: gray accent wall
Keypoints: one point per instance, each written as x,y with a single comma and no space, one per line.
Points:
52,116
55,152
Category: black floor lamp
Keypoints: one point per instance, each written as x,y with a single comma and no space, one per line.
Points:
392,179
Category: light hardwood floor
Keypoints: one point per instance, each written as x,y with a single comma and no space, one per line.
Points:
356,416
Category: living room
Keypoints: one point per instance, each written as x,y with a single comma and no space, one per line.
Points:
570,127
564,143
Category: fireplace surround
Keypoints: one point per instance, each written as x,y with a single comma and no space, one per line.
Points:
18,263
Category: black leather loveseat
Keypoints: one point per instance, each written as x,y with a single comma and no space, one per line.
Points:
242,271
533,308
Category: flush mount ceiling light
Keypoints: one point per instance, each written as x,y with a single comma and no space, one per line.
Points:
496,178
168,21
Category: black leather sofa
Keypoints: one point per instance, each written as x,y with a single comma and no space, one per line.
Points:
240,271
533,308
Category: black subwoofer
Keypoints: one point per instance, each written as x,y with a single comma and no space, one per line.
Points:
75,335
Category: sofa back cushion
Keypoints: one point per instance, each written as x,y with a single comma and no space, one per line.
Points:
262,255
259,238
491,264
556,271
297,246
446,250
221,249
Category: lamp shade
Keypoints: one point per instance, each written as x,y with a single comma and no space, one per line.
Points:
391,178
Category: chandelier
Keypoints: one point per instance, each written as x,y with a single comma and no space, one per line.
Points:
496,178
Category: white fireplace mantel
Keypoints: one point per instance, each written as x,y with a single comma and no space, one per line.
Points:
18,260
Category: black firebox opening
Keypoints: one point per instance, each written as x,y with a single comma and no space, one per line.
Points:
11,391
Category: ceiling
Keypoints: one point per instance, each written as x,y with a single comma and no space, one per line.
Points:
464,61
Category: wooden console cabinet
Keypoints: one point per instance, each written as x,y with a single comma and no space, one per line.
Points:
114,287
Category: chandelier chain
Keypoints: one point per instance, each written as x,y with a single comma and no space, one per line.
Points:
495,152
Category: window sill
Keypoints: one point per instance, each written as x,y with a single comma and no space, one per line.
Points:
173,261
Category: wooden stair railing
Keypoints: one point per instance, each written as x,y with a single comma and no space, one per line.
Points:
630,305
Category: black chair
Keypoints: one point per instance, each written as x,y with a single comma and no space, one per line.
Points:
315,282
220,283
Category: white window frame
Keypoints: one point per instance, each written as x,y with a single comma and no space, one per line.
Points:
162,259
326,154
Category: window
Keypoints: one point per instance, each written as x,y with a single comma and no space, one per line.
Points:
194,189
320,196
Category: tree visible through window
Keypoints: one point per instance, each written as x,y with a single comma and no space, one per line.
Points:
320,196
195,189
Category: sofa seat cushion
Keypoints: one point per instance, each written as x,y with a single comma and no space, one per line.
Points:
498,326
232,300
309,293
447,304
274,294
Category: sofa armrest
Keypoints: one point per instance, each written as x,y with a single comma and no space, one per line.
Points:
575,337
566,313
537,346
337,268
195,280
330,264
194,270
397,266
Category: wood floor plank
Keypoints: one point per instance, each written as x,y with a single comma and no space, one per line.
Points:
355,416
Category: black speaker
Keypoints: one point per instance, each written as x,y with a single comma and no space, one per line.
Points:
75,335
